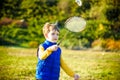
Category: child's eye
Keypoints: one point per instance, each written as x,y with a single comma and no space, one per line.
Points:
53,33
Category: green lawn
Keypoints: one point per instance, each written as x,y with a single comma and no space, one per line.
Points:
20,64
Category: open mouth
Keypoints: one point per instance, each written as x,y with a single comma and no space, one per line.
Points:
55,39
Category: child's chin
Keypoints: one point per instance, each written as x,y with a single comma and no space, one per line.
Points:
54,41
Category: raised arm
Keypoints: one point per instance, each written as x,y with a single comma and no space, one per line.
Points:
43,54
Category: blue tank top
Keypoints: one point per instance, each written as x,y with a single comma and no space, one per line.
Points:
49,69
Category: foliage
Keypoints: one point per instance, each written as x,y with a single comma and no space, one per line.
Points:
97,42
102,18
110,44
33,44
107,44
10,8
112,13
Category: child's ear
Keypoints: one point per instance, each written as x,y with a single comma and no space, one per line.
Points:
46,36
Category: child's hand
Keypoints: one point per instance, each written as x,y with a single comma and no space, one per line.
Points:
76,77
53,47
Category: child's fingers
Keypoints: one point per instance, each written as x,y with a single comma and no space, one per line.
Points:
54,47
76,77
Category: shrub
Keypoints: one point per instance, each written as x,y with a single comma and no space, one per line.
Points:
5,21
112,45
33,44
97,43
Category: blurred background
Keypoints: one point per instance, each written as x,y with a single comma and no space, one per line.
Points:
94,52
21,22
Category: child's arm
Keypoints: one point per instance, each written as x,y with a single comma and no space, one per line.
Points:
66,68
43,54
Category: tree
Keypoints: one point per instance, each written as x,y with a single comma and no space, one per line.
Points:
10,8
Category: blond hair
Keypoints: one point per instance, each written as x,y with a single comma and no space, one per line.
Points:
48,27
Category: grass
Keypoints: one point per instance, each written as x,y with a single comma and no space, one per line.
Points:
20,64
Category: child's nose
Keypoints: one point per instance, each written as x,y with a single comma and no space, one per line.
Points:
56,35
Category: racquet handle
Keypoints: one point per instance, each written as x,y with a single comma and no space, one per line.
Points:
59,42
62,38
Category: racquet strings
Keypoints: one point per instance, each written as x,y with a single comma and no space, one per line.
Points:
74,24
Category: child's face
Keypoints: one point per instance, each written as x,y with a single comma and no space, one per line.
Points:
53,35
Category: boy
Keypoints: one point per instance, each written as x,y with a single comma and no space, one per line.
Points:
49,56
